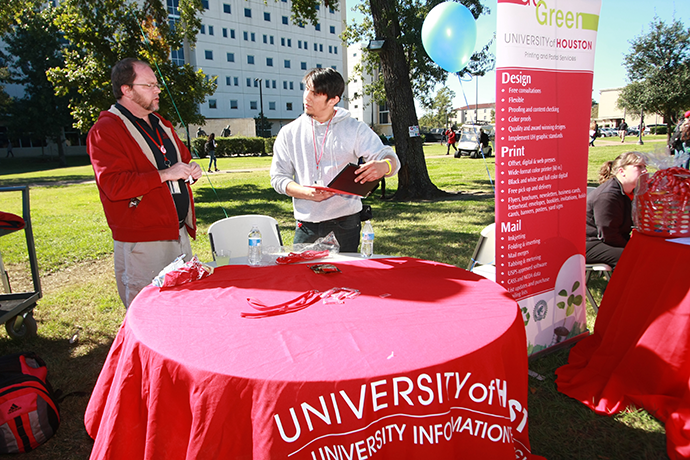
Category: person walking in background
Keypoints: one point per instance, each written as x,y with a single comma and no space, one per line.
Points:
609,209
623,130
452,139
210,148
676,144
593,131
313,149
10,152
143,173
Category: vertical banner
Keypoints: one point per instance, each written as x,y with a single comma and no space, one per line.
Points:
544,73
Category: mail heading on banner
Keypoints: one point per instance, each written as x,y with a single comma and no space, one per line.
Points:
548,34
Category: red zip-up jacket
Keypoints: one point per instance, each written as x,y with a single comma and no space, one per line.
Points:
125,168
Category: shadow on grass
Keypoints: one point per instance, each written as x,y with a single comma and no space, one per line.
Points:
69,373
562,428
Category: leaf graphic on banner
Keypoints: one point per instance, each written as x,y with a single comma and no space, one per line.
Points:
525,315
575,286
570,310
560,305
578,300
563,293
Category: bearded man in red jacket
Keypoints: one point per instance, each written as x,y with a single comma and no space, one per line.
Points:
143,172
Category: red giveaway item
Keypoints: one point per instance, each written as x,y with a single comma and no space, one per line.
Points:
191,271
295,257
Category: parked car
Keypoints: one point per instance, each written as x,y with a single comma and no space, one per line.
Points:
469,141
435,135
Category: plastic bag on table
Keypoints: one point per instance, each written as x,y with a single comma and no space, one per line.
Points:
323,247
180,272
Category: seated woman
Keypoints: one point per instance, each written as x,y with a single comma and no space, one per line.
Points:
609,208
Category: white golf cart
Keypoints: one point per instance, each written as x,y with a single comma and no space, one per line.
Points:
470,141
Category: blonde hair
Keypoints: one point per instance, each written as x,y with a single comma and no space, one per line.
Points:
608,169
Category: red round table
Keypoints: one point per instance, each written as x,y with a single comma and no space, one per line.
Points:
638,353
428,362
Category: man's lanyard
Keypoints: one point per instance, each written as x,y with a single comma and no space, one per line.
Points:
158,144
317,157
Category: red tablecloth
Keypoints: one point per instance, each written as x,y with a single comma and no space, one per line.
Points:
639,351
428,362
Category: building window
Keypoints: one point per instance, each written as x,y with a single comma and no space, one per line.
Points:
245,35
305,45
271,106
317,27
292,86
332,29
290,42
285,20
253,35
256,83
250,59
300,25
273,84
247,12
228,81
334,67
249,82
286,63
330,49
320,47
231,57
284,85
335,50
267,17
318,7
204,3
282,41
210,30
225,32
253,105
236,81
288,106
265,38
233,103
303,65
318,66
301,86
211,103
202,30
268,84
177,57
383,114
208,54
174,7
270,39
232,33
316,47
226,8
331,10
269,62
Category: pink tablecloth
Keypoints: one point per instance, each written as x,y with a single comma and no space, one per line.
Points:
638,354
428,362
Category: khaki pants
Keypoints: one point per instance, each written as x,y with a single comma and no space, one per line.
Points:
136,264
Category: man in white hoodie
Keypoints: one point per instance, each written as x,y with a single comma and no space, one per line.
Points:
314,148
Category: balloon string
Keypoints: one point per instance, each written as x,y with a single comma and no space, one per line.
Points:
476,133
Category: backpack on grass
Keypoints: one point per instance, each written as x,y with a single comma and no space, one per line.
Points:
29,414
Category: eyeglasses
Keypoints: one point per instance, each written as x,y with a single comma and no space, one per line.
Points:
148,85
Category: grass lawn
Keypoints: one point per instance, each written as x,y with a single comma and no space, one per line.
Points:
74,247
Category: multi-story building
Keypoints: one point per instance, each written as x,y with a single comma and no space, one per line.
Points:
476,113
258,56
359,104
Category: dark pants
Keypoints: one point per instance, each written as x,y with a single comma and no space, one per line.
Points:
602,253
346,230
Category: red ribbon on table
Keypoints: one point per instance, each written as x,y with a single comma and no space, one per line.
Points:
334,295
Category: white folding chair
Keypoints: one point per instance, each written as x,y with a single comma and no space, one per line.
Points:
231,233
484,258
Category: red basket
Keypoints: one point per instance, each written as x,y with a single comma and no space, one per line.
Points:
663,209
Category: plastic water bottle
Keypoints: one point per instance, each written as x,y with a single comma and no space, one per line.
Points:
367,240
254,253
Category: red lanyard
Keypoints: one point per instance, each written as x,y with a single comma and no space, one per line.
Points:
323,143
160,146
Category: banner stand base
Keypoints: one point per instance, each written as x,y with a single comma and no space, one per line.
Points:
559,346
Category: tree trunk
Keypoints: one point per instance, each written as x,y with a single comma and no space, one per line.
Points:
413,179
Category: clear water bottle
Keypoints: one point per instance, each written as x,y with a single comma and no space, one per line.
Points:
367,239
254,253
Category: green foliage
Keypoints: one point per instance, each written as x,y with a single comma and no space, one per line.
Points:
658,67
102,33
439,108
33,47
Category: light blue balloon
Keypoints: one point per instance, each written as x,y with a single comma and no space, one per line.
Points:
449,34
